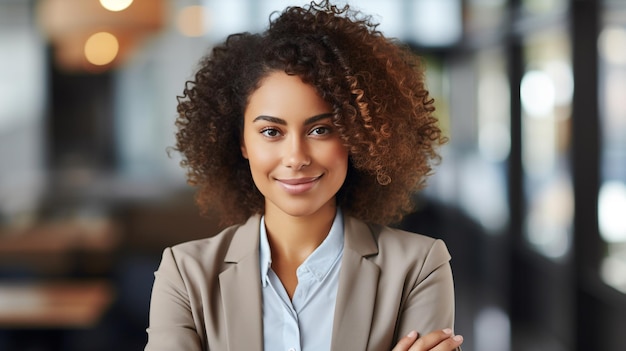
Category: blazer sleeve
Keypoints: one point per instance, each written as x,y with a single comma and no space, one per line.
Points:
430,303
172,326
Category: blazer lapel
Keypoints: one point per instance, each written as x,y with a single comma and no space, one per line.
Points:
240,287
358,283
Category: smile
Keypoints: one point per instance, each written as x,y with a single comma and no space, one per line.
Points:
299,185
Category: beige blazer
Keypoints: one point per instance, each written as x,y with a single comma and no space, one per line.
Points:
207,293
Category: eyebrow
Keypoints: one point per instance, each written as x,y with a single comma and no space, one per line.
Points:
281,121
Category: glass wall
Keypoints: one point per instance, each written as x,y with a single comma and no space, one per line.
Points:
612,195
546,95
23,82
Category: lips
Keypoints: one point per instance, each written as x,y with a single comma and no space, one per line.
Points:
298,185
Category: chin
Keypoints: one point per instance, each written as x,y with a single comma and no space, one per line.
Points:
299,212
295,209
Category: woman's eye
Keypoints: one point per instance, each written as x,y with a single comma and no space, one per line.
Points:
270,132
320,131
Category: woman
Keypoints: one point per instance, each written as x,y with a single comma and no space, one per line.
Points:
307,138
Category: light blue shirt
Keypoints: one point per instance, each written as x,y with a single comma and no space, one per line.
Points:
306,322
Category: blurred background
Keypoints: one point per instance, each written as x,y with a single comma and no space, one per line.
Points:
530,196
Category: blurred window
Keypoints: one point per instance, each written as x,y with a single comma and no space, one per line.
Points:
546,94
489,201
544,7
424,22
485,15
612,194
22,91
472,101
435,22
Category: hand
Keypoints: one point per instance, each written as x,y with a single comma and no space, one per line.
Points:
438,340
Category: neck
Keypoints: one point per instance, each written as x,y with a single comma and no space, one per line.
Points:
294,238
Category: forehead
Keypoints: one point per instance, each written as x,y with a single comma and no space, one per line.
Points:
283,95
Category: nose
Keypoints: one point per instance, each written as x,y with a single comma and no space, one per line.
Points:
296,154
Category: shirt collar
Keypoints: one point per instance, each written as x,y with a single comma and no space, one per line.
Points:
265,254
319,262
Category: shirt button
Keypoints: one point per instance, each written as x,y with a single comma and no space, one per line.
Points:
292,349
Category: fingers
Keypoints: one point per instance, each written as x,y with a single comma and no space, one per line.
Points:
405,343
438,340
449,344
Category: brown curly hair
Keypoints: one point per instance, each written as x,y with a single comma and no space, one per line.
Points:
374,85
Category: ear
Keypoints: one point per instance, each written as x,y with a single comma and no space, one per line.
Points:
244,150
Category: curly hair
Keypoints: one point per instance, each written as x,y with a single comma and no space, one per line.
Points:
374,85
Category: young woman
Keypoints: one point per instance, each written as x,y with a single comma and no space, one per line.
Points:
308,139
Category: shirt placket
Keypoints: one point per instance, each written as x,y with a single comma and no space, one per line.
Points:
291,331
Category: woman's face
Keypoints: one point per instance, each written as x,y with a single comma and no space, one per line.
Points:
296,156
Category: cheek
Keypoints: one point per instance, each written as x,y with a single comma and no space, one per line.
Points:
337,157
260,158
250,147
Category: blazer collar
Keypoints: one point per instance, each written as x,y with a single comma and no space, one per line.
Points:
358,284
356,295
241,289
245,241
359,237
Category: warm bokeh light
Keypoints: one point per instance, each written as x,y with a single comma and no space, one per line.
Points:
191,21
101,48
116,5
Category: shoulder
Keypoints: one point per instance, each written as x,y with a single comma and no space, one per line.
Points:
214,245
402,241
370,238
399,249
418,249
213,252
390,234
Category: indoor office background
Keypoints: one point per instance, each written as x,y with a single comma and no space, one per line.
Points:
530,196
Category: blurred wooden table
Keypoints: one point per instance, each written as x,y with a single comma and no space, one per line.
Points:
58,305
60,248
100,235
